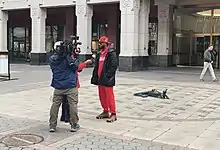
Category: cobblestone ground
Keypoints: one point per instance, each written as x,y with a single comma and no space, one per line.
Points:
189,119
102,142
82,140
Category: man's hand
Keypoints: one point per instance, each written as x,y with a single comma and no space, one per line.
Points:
89,61
211,62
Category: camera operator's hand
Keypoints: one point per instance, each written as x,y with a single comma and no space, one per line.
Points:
74,62
89,61
77,50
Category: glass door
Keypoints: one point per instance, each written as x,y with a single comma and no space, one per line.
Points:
99,28
19,44
195,29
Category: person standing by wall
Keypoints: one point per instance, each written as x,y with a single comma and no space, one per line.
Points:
104,76
208,64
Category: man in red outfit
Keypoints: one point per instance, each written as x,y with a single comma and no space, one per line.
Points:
104,76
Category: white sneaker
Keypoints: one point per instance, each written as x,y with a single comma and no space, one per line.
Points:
215,80
52,129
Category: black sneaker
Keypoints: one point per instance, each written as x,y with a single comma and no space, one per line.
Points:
52,130
215,80
74,127
112,118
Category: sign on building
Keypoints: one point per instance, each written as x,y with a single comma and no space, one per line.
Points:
4,64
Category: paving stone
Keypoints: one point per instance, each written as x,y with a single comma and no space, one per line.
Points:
116,140
14,124
117,147
129,147
134,144
72,148
124,143
210,107
204,111
92,146
110,143
92,139
104,146
29,148
159,106
105,140
168,147
67,145
180,148
180,108
215,104
155,148
15,148
142,148
86,143
80,146
202,115
4,148
2,145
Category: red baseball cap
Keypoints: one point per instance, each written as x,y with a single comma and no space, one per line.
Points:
103,39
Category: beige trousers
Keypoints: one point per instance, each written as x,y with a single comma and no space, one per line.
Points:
72,98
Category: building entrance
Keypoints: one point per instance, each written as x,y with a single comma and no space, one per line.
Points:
196,27
105,23
19,44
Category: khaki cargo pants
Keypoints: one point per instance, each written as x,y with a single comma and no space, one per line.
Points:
72,98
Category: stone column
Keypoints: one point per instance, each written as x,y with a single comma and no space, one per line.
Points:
3,30
129,59
165,26
69,28
38,53
84,15
144,31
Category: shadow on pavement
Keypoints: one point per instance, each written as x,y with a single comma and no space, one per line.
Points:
6,79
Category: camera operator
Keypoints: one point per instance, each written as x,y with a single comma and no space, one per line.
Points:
64,68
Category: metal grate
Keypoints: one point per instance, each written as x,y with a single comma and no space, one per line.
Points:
17,140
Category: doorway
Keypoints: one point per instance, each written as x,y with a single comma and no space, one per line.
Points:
19,44
196,27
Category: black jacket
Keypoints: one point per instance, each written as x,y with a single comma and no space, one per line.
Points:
107,77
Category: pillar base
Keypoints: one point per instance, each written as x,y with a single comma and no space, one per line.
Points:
38,59
133,63
160,60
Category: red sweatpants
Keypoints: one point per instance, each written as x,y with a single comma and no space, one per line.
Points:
107,99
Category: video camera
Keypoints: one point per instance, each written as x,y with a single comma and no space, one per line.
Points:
75,43
68,47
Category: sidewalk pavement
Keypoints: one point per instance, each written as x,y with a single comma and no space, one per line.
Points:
190,119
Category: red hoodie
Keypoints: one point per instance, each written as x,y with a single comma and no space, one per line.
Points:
103,54
80,68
